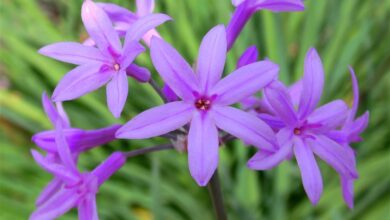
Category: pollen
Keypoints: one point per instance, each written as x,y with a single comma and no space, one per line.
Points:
203,104
297,131
116,66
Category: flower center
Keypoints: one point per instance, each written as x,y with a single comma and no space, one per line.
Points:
203,104
297,131
117,67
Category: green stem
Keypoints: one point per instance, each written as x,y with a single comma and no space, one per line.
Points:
215,193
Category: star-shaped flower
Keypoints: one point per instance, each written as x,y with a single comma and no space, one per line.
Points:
306,130
105,64
71,188
77,139
205,102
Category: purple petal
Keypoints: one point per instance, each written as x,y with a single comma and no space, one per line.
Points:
141,74
80,81
53,113
74,53
355,88
347,188
313,82
117,13
147,38
337,156
130,52
295,92
240,17
144,7
63,149
49,108
339,136
284,136
245,126
109,166
93,138
237,2
279,5
117,90
143,25
51,188
56,169
78,140
273,121
169,94
355,128
87,208
89,42
202,148
264,160
212,57
46,139
99,27
250,102
310,173
157,121
278,97
59,204
330,115
175,71
249,56
244,82
62,114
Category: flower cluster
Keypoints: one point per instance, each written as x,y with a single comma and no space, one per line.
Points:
197,113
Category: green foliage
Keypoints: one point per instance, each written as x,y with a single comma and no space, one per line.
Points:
159,185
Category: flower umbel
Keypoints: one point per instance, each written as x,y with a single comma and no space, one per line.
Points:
205,102
71,188
105,64
306,131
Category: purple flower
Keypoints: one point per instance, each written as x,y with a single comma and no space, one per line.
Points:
306,130
105,64
79,140
350,132
71,188
246,8
205,102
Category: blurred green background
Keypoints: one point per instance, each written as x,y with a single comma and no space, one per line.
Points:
158,186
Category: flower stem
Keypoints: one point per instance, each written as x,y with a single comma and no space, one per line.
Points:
141,151
157,89
215,193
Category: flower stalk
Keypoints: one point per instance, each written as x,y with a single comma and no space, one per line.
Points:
142,151
158,90
214,188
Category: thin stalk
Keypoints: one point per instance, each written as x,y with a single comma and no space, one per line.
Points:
141,151
157,89
226,138
215,193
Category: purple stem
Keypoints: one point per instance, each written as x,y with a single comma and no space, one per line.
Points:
157,89
142,151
